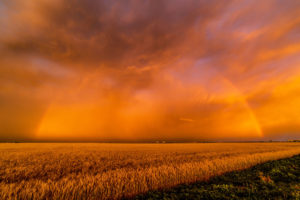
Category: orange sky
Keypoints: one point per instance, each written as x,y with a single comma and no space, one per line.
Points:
103,70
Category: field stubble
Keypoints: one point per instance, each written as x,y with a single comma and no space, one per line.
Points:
113,171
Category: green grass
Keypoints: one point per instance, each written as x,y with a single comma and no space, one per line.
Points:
278,179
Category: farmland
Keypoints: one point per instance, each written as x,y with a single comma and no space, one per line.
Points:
113,171
278,179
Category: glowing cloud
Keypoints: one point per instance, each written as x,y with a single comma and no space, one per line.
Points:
148,70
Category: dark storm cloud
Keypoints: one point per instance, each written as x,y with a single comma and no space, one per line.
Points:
117,33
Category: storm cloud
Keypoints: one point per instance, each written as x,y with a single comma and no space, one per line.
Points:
147,70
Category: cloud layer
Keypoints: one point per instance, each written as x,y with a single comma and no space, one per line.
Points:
148,70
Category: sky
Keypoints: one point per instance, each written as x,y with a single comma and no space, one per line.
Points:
131,70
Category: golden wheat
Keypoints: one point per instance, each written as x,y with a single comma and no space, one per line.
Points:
113,171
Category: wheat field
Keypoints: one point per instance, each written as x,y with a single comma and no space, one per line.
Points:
114,171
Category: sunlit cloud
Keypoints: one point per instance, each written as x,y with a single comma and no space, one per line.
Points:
148,70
